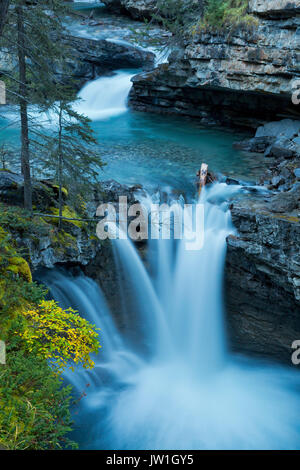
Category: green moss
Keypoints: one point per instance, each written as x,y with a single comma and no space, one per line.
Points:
63,240
69,213
63,190
20,267
18,221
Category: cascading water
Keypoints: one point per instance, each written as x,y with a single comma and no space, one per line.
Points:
105,97
174,384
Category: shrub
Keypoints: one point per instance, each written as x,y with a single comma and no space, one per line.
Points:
34,405
62,336
220,14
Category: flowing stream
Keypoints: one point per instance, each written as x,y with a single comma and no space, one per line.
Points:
174,384
167,380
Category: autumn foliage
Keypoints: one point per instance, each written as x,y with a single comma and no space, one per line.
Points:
62,336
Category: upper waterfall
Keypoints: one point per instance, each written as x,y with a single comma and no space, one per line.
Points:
105,97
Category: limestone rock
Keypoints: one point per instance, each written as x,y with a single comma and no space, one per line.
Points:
239,79
97,57
262,274
141,9
286,128
271,8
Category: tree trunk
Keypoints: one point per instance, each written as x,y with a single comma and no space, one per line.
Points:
25,162
4,4
60,165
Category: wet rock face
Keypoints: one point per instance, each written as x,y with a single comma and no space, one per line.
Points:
263,261
76,244
241,79
263,278
280,143
97,57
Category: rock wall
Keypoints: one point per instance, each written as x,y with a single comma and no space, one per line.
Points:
97,57
138,9
141,9
274,8
263,279
243,78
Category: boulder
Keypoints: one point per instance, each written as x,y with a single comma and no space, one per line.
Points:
11,187
286,128
297,173
256,145
44,192
281,150
285,202
277,140
10,180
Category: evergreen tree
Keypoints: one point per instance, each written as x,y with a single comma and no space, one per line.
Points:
41,85
33,36
4,5
74,156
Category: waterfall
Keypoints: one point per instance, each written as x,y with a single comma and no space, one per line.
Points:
174,384
105,97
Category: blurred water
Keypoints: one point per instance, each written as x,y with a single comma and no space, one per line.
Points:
173,384
148,149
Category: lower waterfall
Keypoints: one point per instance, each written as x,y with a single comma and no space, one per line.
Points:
174,384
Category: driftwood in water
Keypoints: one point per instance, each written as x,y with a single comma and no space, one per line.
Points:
202,175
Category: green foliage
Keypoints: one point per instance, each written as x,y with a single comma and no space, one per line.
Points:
68,151
72,150
176,17
183,19
41,339
221,14
34,406
16,287
62,336
68,213
19,221
43,23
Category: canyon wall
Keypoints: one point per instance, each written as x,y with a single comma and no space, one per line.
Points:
239,78
141,9
263,281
